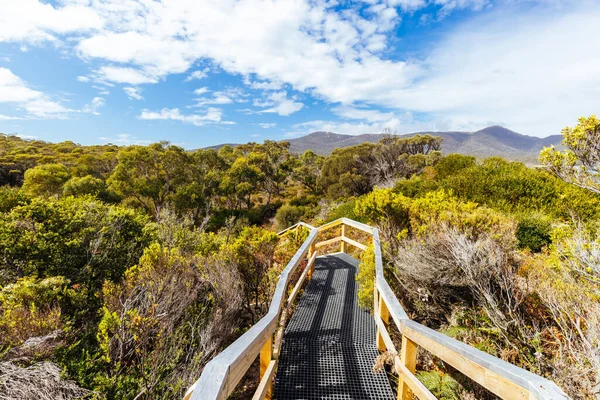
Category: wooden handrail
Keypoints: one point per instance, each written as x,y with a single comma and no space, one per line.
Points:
500,377
222,374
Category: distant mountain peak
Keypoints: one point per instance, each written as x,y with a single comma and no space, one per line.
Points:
494,140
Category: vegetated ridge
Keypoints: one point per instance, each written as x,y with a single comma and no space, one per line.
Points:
491,141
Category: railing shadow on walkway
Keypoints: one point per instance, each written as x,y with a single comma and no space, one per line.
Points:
221,375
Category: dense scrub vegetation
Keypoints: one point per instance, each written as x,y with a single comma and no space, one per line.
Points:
128,268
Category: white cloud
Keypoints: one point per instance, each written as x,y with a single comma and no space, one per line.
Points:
84,79
133,93
267,125
37,104
532,68
280,104
362,114
199,74
94,106
35,21
8,118
534,73
262,85
27,137
227,96
211,116
201,90
128,75
125,139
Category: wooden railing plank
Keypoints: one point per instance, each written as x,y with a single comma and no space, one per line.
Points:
358,225
353,243
330,225
408,360
263,390
383,333
326,242
415,385
301,280
500,385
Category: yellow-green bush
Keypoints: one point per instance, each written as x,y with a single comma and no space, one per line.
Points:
30,307
366,278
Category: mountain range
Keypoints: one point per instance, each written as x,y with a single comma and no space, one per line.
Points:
491,141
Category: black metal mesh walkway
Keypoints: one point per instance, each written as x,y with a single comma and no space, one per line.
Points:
329,344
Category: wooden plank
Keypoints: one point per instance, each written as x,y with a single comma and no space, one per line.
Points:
358,225
375,300
384,316
266,383
326,242
189,392
494,382
295,226
384,336
330,225
279,335
312,253
266,355
354,243
415,385
238,369
408,359
301,280
343,246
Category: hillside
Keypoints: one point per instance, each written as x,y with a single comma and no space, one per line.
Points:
491,141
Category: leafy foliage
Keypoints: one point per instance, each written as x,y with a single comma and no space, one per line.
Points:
45,180
579,163
534,233
148,260
366,278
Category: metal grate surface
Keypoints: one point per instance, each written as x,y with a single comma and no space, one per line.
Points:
329,344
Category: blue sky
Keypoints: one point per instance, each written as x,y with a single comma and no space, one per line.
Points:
203,72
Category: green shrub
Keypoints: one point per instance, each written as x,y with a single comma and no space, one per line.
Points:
344,210
45,180
287,216
10,198
30,307
86,185
366,278
533,233
453,164
441,385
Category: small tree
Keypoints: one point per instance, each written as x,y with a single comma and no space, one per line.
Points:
580,162
45,180
253,251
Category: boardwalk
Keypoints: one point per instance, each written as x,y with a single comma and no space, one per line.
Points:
329,344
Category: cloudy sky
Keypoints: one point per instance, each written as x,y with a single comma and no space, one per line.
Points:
202,72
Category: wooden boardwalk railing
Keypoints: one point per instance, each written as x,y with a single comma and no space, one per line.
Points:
222,374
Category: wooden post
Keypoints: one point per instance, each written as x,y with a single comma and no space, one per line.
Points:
376,299
384,314
408,358
343,249
311,252
266,355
